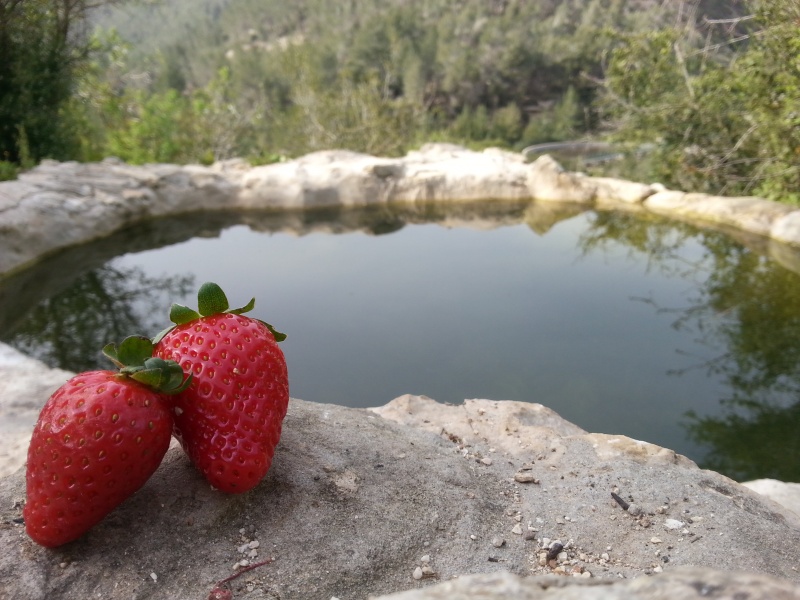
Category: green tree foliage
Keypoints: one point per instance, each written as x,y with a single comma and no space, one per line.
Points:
210,79
383,76
725,115
44,46
562,122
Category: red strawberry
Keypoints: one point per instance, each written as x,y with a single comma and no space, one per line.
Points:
229,419
98,439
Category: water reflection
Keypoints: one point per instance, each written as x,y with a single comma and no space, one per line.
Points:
103,305
746,313
738,313
82,301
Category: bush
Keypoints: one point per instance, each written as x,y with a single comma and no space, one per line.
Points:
8,170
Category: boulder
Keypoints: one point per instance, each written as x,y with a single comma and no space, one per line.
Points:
547,180
755,215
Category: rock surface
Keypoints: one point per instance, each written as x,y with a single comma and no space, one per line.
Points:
683,583
786,494
25,384
98,199
370,502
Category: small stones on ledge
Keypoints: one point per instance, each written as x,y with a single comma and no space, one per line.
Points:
635,510
563,559
525,477
249,547
424,570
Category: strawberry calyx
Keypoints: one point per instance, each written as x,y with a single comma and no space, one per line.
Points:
211,300
135,360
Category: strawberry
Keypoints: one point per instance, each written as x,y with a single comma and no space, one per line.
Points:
98,439
229,419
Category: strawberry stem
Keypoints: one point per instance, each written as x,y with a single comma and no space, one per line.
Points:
218,593
135,360
211,300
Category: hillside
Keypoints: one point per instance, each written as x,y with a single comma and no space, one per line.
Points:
196,37
382,75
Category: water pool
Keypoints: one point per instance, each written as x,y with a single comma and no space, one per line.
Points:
621,323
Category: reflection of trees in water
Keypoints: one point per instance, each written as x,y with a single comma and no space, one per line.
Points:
754,439
103,305
759,433
746,308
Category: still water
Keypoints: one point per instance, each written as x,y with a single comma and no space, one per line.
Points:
620,323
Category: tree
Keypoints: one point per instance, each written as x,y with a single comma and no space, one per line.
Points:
44,44
724,114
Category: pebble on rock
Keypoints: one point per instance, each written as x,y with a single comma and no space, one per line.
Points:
635,510
417,573
525,477
498,542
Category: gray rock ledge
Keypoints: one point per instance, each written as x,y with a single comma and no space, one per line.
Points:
57,205
362,503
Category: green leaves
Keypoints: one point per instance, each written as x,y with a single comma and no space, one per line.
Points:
180,314
279,337
721,109
134,357
211,300
133,351
165,376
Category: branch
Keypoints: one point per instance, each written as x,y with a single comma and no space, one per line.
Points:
734,21
684,71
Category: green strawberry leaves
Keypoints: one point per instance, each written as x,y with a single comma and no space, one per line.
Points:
211,300
135,360
180,314
133,350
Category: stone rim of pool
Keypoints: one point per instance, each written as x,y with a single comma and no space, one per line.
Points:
97,199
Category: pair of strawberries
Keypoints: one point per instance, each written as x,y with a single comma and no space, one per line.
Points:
216,379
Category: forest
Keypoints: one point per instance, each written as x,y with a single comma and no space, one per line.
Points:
708,87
